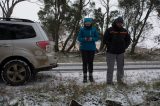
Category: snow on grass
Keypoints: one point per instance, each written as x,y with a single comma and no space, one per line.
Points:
137,81
131,76
55,88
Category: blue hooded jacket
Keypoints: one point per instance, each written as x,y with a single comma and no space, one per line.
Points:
88,32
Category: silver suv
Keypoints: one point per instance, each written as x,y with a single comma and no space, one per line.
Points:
25,49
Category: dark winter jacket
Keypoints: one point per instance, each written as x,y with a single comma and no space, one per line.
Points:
116,39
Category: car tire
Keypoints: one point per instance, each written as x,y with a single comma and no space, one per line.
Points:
16,72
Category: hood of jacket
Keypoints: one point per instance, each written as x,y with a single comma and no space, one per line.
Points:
117,20
88,20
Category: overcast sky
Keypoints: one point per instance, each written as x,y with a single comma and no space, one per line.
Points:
29,10
25,10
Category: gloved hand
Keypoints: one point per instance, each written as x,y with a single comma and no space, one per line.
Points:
88,38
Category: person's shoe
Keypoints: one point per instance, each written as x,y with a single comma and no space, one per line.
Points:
91,79
85,80
110,83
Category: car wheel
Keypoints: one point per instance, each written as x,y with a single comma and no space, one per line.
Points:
16,72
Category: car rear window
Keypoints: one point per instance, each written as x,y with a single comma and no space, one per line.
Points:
16,31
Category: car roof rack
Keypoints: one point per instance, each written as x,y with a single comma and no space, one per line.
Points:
16,19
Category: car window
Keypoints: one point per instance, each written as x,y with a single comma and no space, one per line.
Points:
5,34
16,31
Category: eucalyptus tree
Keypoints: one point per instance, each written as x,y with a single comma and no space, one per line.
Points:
104,18
7,7
78,13
62,14
53,15
136,14
72,24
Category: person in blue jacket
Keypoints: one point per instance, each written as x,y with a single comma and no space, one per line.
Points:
87,37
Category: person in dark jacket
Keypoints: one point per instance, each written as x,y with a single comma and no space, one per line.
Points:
87,37
117,40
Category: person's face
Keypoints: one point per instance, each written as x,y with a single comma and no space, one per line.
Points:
87,23
119,24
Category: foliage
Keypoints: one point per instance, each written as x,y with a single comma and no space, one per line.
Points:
53,15
63,16
104,18
136,14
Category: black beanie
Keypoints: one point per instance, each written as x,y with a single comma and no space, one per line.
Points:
119,19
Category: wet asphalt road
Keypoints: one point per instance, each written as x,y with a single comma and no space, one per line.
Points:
101,66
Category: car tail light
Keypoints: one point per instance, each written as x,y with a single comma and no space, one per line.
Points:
43,44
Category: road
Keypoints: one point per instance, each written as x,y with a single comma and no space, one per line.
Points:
101,66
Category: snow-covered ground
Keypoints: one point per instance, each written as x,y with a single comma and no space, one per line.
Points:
53,88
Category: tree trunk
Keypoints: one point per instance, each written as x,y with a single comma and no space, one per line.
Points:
78,18
74,38
102,47
133,46
102,43
65,44
57,37
136,38
56,43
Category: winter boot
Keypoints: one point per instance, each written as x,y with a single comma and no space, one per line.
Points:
84,77
91,77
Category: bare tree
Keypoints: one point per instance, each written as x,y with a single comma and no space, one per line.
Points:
7,7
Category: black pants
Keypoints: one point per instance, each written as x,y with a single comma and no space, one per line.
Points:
87,59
